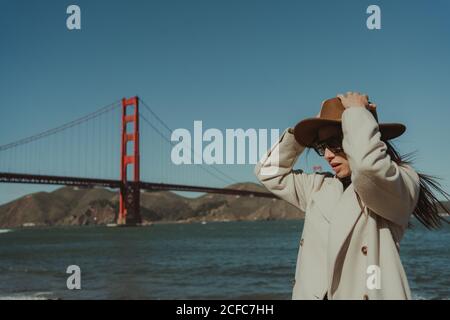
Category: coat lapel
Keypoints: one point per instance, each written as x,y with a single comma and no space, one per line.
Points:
345,216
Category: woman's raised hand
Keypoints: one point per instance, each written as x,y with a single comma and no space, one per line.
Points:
354,99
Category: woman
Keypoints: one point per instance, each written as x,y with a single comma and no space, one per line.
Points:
354,220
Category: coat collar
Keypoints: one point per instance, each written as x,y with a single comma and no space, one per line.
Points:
345,215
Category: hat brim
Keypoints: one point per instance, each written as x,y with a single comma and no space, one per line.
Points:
306,131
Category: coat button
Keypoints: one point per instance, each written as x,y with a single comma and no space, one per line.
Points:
364,250
366,297
301,242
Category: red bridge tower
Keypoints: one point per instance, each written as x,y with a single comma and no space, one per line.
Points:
129,211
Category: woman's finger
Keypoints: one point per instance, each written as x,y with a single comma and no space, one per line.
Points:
372,106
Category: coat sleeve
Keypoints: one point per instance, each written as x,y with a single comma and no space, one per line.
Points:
275,172
389,190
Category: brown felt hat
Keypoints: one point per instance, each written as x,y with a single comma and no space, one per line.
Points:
310,130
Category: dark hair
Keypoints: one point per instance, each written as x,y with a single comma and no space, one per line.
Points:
428,206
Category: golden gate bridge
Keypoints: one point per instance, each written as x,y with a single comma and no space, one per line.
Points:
34,159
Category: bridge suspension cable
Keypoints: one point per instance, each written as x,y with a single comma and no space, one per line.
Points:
223,176
88,149
63,127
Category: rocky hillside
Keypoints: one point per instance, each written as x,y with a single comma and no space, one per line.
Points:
73,206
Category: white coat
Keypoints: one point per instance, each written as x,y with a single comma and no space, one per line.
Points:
347,250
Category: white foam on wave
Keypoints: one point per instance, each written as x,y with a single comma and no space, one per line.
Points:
20,297
25,296
5,230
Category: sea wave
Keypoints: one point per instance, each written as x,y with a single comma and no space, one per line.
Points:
28,296
21,298
5,230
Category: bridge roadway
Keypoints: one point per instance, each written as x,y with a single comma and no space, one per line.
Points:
116,184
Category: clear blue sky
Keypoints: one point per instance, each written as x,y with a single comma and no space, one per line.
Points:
232,64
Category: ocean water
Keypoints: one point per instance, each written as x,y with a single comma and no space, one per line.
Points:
233,260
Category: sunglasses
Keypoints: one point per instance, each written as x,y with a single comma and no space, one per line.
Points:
333,144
